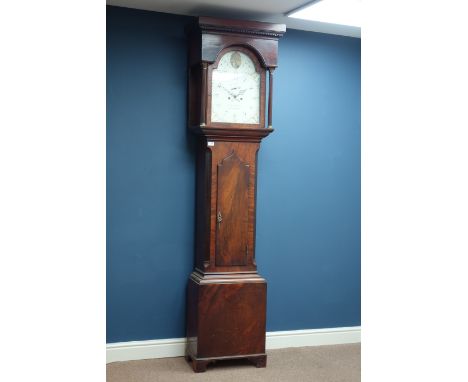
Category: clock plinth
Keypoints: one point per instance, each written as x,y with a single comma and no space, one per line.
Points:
226,318
226,299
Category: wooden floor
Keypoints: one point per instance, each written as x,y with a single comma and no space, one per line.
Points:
337,363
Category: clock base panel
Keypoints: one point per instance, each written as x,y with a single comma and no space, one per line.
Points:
226,319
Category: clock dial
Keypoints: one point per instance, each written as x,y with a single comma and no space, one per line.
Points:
235,90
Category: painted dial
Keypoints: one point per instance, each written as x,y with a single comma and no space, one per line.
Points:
235,90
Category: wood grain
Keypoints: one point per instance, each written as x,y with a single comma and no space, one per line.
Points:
232,217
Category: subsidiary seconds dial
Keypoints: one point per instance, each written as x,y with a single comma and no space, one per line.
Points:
235,90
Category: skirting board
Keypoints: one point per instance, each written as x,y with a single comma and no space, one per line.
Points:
175,347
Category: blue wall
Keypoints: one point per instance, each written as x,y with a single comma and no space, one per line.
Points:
308,200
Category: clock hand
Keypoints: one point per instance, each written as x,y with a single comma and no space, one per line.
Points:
226,90
230,93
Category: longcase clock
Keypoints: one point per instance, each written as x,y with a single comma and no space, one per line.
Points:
231,66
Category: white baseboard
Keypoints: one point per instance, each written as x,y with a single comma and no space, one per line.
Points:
175,347
313,337
133,350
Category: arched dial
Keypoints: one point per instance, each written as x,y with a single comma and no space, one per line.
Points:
235,90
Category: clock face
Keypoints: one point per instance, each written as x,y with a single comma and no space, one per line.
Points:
235,90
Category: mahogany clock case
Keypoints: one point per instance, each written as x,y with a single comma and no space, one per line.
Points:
226,299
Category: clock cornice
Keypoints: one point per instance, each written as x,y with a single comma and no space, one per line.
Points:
209,36
253,28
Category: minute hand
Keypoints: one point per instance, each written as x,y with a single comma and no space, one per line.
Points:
227,90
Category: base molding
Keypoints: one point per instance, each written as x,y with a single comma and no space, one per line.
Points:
175,347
